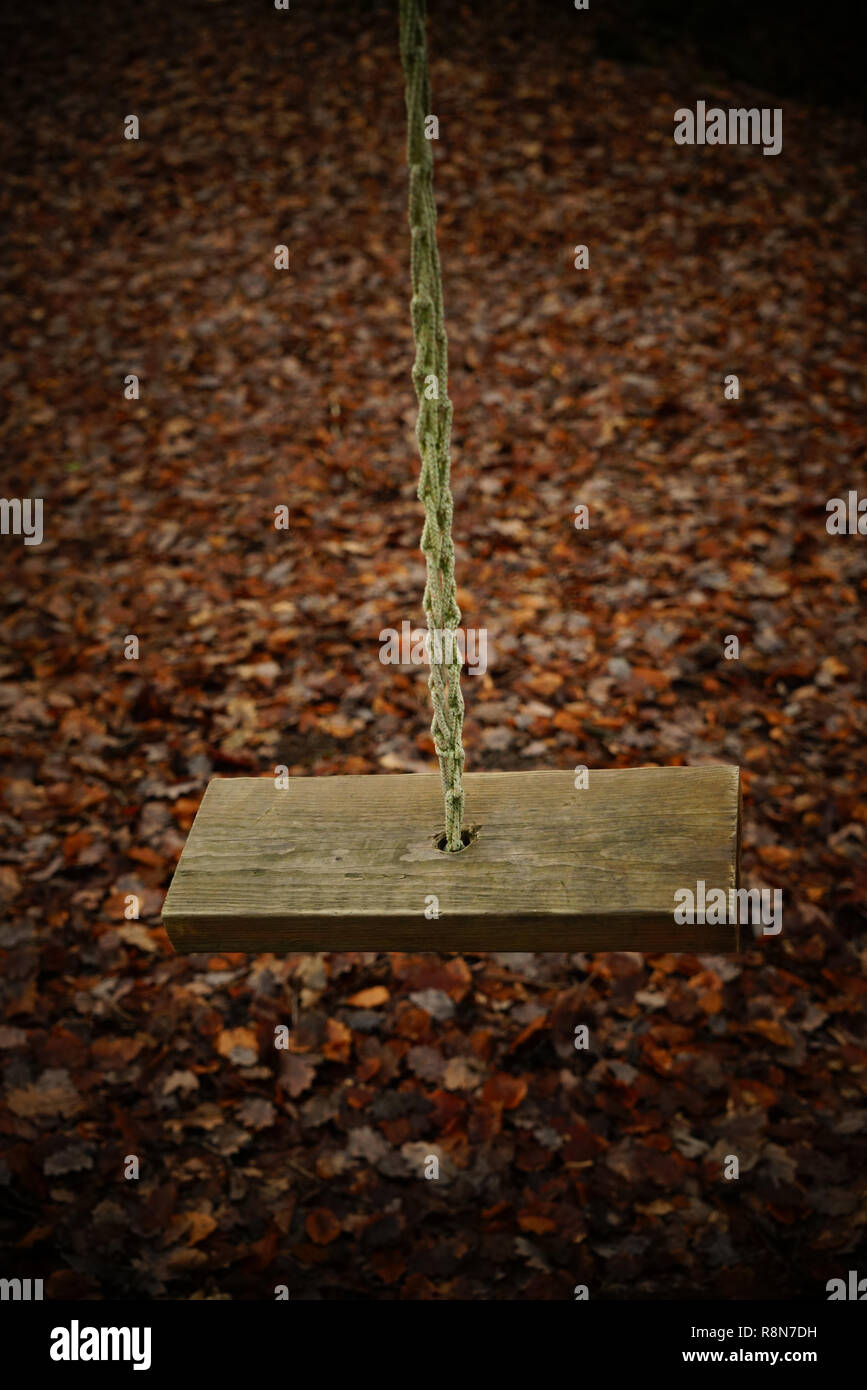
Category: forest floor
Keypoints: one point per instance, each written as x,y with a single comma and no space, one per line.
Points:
259,647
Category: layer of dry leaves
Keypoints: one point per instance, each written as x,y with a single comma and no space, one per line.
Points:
260,647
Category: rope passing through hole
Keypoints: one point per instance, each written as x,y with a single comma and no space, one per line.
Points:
433,427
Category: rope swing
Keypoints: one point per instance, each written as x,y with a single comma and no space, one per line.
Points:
433,427
557,862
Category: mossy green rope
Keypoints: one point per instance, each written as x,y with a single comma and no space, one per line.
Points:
433,428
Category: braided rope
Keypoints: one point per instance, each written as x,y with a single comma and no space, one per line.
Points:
433,427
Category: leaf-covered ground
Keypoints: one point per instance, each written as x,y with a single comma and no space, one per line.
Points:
260,647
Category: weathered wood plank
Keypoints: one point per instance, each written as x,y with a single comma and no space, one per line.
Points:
349,863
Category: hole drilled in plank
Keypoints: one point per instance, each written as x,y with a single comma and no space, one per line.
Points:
467,838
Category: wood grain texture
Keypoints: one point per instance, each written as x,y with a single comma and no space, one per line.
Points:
347,863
